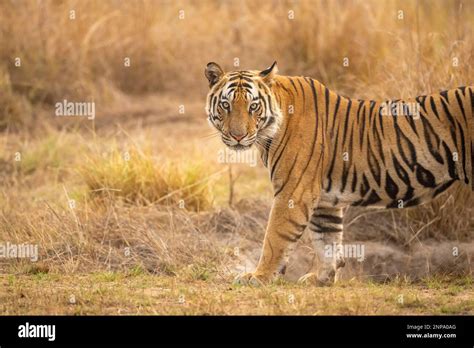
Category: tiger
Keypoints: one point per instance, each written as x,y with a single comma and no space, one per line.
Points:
325,152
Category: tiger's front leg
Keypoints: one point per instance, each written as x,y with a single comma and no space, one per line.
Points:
326,225
285,226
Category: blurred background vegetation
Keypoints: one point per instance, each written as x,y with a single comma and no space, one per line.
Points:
395,48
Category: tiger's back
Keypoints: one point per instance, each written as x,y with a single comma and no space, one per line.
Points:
385,154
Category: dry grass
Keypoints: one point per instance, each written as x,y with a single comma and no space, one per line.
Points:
112,237
135,293
15,109
83,58
120,209
137,177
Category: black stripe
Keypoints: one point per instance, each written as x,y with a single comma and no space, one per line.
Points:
243,77
328,218
432,139
451,120
401,172
293,84
461,106
346,169
334,117
270,104
444,94
279,84
422,102
390,186
433,106
323,229
232,85
443,188
302,91
451,165
381,118
463,150
373,198
278,190
331,166
405,147
346,122
412,202
424,176
279,156
378,144
411,120
364,186
326,97
354,181
361,126
374,165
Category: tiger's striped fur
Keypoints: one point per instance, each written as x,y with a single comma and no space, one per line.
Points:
325,152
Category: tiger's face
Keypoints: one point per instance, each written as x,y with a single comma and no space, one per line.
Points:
241,105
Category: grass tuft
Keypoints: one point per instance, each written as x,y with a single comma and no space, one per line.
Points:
138,178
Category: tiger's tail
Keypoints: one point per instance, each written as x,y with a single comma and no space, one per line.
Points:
471,137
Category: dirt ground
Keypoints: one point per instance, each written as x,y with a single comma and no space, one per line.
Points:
121,294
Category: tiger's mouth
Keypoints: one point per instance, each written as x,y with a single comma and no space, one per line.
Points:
241,144
239,147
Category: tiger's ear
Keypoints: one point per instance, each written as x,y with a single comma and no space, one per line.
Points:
268,74
213,73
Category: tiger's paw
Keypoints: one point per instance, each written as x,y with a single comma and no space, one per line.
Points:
324,279
308,278
250,279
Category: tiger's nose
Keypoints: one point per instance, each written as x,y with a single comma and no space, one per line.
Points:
237,136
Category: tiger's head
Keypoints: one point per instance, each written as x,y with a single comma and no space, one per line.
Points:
242,106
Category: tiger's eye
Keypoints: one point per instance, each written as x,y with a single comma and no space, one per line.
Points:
225,105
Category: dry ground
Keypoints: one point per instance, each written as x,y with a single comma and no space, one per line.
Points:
119,293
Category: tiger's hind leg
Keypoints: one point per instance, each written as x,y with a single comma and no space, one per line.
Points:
326,225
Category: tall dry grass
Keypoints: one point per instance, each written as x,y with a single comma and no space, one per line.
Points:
83,58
